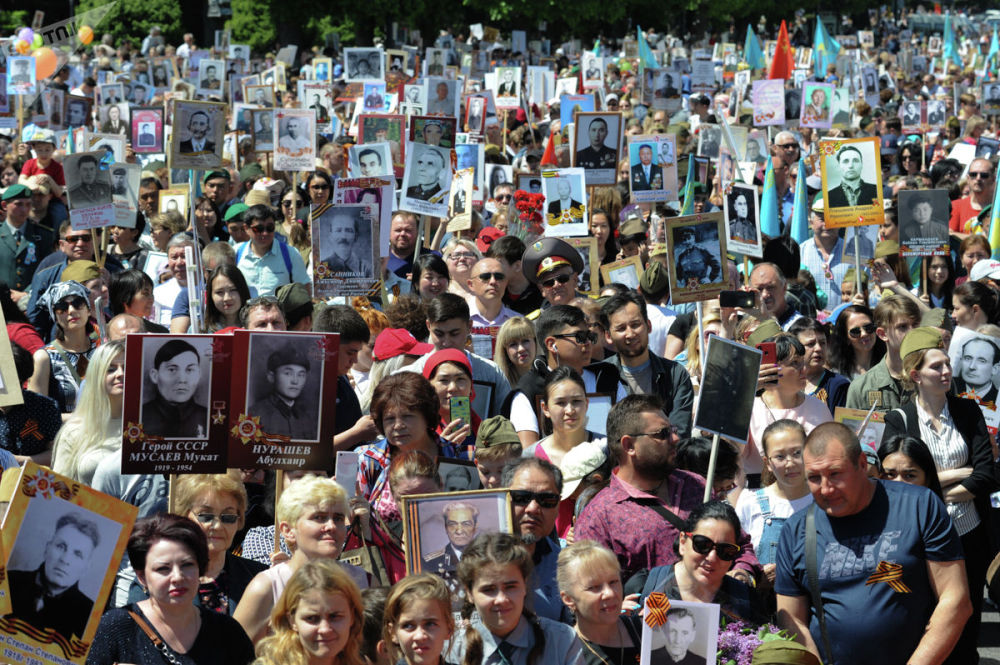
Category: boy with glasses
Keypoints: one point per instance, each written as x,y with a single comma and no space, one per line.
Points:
266,261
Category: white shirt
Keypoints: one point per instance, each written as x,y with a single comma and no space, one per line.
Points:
660,320
751,517
522,411
164,296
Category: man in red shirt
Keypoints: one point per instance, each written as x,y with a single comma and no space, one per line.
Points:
43,143
982,181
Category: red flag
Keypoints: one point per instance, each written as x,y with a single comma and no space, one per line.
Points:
937,8
783,63
549,156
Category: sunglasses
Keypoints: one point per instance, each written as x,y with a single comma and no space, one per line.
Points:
487,276
982,175
787,146
319,188
855,332
461,256
225,518
524,497
64,305
551,281
269,228
504,197
663,434
704,545
72,240
579,337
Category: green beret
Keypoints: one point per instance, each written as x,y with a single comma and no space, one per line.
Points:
495,431
235,211
886,248
783,652
919,339
766,330
16,192
850,279
216,174
654,279
252,170
937,318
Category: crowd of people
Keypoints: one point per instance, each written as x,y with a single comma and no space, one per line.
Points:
504,349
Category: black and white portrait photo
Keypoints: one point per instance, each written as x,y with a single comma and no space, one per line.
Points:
598,144
730,378
689,636
867,237
284,382
196,136
370,160
260,95
111,93
923,222
592,68
177,377
852,180
975,365
442,97
508,90
460,199
457,476
363,64
435,60
910,114
78,110
709,140
498,174
263,129
113,119
991,98
426,180
742,226
346,242
697,258
295,139
87,184
211,75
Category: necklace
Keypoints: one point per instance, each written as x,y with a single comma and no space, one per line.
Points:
621,649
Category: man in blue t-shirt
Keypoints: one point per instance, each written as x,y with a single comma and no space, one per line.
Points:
889,562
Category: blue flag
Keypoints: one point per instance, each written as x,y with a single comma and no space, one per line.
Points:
646,56
687,208
752,53
800,208
770,213
994,225
994,54
950,47
825,50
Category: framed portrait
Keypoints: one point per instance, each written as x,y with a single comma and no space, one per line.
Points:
587,248
169,376
624,271
475,114
869,430
319,98
242,119
851,170
472,156
88,185
986,147
653,167
541,84
10,387
709,140
729,377
768,98
211,77
840,115
991,98
78,111
497,174
259,95
870,85
377,193
385,128
396,62
443,97
262,135
529,182
163,71
508,87
742,212
435,61
54,104
458,475
147,130
923,222
867,238
113,119
460,200
322,68
294,142
937,113
592,68
125,179
662,88
974,370
345,246
373,99
426,180
274,77
565,193
414,99
816,110
436,527
911,114
279,380
50,514
571,104
697,244
689,635
597,146
369,160
196,135
174,199
363,64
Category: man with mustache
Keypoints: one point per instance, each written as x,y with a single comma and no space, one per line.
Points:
343,232
173,412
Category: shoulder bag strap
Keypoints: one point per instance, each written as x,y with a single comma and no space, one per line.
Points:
68,361
668,515
812,571
161,646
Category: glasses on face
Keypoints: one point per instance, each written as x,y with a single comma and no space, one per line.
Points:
856,331
485,277
524,497
551,281
579,337
225,518
663,434
787,146
981,175
75,303
503,198
72,240
704,545
782,458
461,256
266,228
319,188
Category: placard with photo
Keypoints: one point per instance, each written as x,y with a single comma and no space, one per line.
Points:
871,434
279,381
458,475
472,156
78,111
294,142
937,114
851,170
742,213
435,61
10,395
709,140
344,248
460,201
319,98
624,271
991,98
88,187
211,77
529,182
508,87
174,199
125,178
923,222
653,167
263,129
433,130
259,95
196,135
369,160
867,238
587,249
565,202
592,68
274,77
817,105
443,97
475,114
54,605
498,174
597,146
379,194
426,180
385,128
911,114
690,634
697,244
176,403
768,98
729,377
571,104
147,130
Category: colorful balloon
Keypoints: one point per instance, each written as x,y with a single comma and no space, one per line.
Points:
27,34
22,47
85,35
37,41
45,62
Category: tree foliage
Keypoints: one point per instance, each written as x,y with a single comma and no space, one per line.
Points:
131,19
12,20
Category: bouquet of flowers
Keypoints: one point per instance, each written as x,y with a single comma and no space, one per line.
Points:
529,223
738,640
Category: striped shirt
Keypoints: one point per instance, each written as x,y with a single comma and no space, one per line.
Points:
950,451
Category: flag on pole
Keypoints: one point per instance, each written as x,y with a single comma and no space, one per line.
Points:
994,54
597,47
770,214
549,155
800,208
646,56
995,226
751,51
783,63
950,47
825,50
688,206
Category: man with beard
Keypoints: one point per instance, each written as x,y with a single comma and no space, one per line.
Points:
173,411
637,516
281,411
627,328
343,234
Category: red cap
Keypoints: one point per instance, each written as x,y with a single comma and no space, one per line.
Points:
446,356
486,237
393,342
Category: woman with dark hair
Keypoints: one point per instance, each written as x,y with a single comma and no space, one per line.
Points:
908,460
293,224
131,292
207,221
227,291
973,305
824,384
707,547
168,553
430,276
600,228
907,159
693,455
854,346
19,328
319,188
940,272
61,366
126,244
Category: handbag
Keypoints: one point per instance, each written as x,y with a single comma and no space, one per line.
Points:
161,646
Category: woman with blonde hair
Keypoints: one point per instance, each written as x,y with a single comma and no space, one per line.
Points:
516,348
711,324
317,620
314,512
94,430
460,255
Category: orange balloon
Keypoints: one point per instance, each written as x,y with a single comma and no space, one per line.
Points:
85,35
22,47
45,62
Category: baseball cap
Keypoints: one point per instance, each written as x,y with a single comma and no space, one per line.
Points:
393,342
486,237
985,268
581,461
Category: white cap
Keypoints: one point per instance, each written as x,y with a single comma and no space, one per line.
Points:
581,461
985,268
